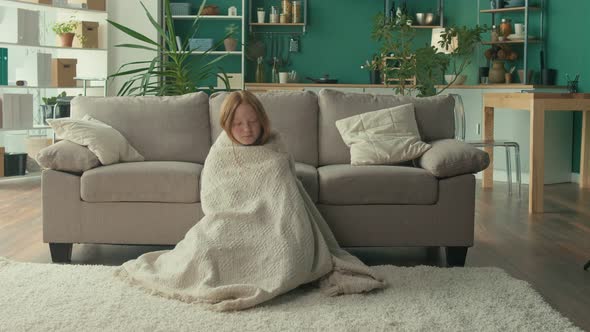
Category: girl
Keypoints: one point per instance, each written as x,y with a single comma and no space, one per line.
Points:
261,234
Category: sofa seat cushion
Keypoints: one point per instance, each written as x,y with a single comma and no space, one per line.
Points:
353,185
147,181
308,175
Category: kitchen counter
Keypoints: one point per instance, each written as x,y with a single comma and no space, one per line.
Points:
295,86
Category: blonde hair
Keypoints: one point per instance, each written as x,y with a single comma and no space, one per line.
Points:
228,111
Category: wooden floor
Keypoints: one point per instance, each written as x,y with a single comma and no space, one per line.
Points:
546,250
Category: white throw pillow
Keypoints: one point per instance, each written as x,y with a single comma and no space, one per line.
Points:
382,137
103,140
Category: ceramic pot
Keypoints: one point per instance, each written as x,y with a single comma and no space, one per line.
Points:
497,72
67,39
230,44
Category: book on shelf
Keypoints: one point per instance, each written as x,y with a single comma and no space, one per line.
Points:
3,66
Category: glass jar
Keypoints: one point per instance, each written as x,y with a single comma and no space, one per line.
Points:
505,27
274,15
287,7
296,11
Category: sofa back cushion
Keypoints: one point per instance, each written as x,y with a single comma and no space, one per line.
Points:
174,128
434,116
294,114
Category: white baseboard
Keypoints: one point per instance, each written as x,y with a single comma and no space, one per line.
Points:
576,178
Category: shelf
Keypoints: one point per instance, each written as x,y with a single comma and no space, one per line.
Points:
39,6
217,52
511,42
27,129
278,24
206,17
53,47
508,10
48,87
426,26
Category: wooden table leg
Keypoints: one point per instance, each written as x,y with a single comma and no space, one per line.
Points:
488,134
585,151
537,157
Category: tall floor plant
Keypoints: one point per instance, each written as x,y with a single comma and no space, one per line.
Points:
173,70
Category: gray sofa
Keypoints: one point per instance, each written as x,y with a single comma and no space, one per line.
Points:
156,201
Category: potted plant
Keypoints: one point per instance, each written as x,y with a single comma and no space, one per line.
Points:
374,67
230,42
172,71
48,106
66,32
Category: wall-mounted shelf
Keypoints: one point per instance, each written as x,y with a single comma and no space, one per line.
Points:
303,24
525,11
47,87
508,10
511,42
206,17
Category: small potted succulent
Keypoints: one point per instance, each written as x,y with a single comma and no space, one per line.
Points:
230,42
66,31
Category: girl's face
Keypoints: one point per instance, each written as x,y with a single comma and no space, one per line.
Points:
245,126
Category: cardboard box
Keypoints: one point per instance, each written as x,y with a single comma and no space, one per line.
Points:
89,31
91,4
235,81
63,72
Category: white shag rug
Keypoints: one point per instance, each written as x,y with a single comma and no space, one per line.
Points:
48,297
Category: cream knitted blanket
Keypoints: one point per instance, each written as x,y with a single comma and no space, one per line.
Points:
261,236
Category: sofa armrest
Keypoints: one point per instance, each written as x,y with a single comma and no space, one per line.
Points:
451,157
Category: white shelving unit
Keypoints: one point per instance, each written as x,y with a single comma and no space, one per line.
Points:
91,62
240,18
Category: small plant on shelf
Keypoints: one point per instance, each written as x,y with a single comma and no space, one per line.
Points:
47,107
66,31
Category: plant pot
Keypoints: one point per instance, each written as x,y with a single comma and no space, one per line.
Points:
230,44
67,39
375,77
497,72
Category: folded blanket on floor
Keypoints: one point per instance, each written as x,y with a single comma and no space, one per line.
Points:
261,236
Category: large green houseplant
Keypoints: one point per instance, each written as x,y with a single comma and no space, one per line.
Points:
425,63
173,70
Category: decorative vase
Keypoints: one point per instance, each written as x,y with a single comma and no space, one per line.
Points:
497,72
67,39
375,76
260,70
230,44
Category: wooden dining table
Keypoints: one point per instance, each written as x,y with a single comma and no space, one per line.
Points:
537,104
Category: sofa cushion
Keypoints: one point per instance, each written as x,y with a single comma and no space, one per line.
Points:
148,181
308,175
294,114
174,128
434,116
353,185
68,157
107,143
384,137
450,157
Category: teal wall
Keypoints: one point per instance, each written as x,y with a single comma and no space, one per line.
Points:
338,40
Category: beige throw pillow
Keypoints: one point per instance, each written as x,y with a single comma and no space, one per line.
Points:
67,156
103,140
382,137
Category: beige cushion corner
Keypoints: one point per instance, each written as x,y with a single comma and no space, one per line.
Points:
450,157
67,156
103,140
382,137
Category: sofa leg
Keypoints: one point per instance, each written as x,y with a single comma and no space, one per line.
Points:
456,256
61,252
